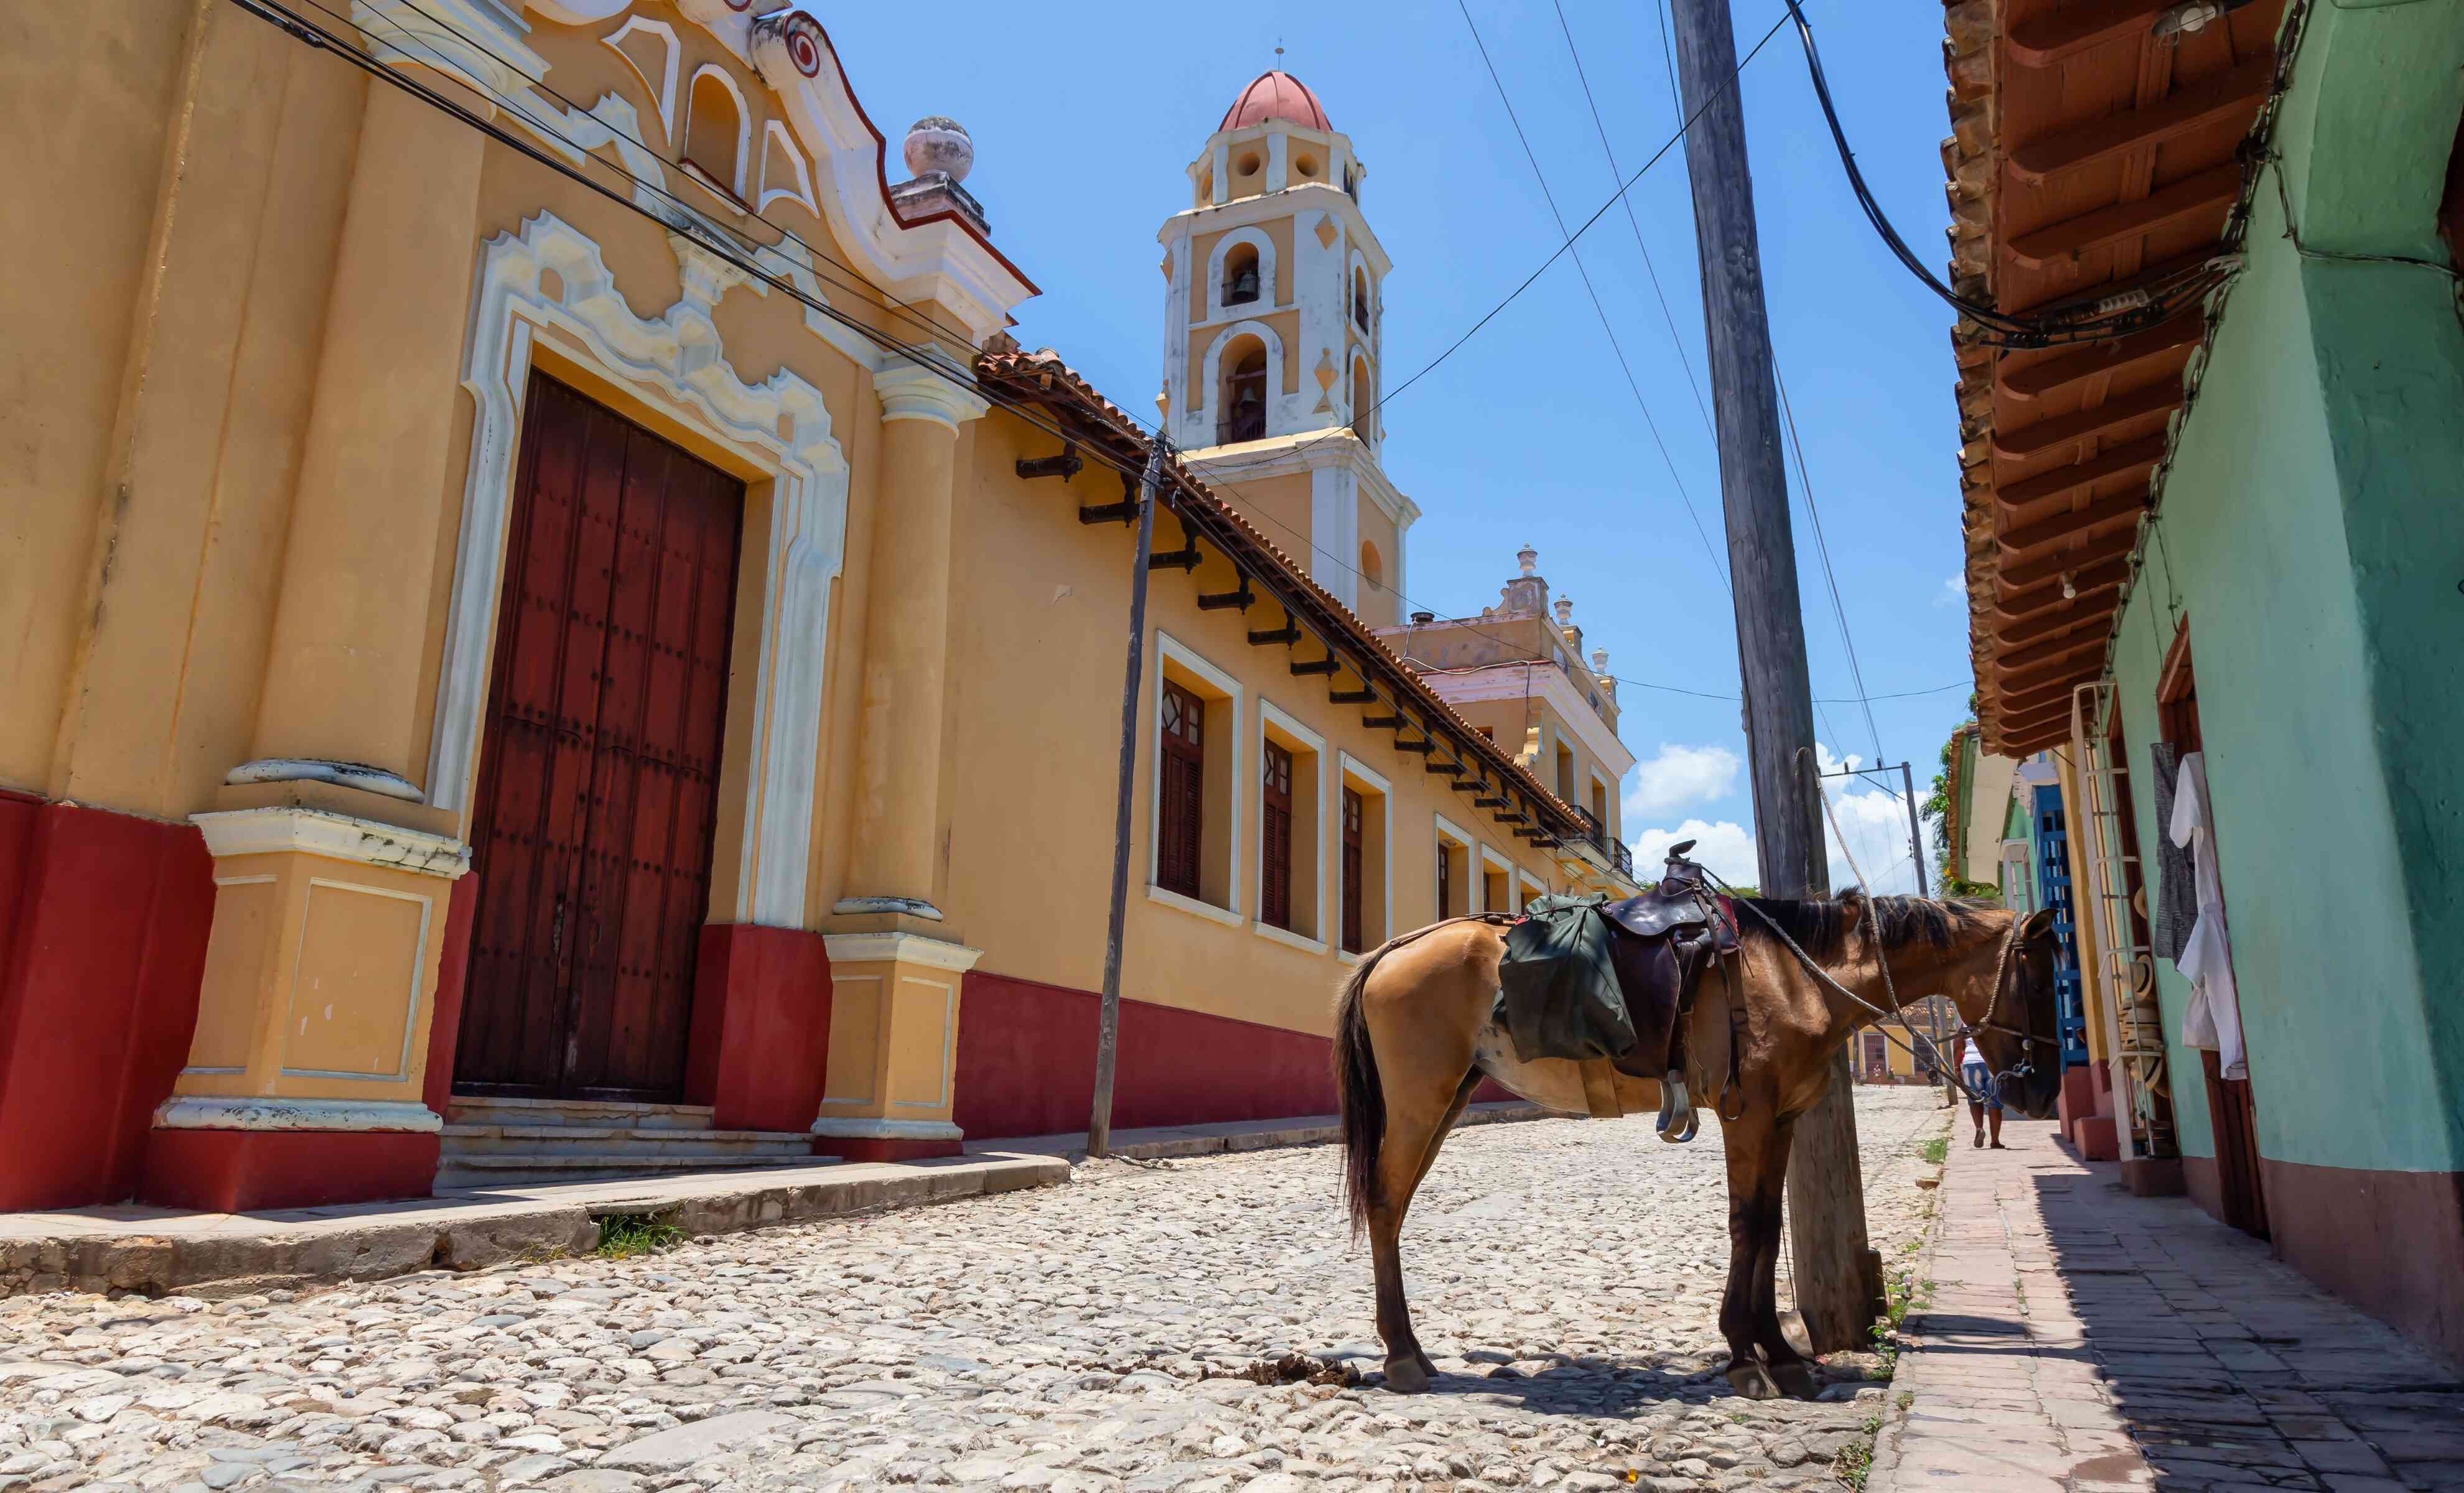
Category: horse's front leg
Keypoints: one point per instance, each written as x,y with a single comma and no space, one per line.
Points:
1761,1363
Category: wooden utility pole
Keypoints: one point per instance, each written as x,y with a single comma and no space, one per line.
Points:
1107,1031
1838,1278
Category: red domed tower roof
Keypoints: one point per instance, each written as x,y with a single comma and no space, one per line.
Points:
1275,95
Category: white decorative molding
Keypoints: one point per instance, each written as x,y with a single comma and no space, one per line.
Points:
677,363
207,1113
886,1130
799,190
1166,897
1267,297
744,121
1565,703
342,837
938,953
911,391
476,42
1333,549
343,775
1207,400
663,88
1228,692
1274,934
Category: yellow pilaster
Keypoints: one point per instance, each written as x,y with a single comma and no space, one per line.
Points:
894,1040
351,625
893,864
320,972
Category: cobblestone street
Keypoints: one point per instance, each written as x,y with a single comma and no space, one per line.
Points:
1565,1275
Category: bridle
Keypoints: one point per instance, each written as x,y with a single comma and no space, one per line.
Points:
1993,1007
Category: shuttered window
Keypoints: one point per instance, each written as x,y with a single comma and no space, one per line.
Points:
1181,820
1352,868
1275,843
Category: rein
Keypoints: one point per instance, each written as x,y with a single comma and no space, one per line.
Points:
2001,973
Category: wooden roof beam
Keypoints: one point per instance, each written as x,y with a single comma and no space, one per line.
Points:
2137,458
2047,623
2086,580
2047,39
2111,544
2009,668
2161,396
2230,95
2125,355
2027,540
2206,193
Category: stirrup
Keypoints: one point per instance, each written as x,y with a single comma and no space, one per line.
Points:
1674,1102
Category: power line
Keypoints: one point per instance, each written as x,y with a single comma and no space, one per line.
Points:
930,359
1653,271
1594,292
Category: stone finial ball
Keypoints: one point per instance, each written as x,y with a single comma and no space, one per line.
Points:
937,142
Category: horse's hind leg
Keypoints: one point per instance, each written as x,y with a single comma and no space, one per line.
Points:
1416,1127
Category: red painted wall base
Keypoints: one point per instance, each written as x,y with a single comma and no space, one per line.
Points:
760,1026
250,1171
103,920
846,1149
1026,1063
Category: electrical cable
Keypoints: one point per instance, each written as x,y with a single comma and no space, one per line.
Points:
1597,308
2038,329
277,13
1676,339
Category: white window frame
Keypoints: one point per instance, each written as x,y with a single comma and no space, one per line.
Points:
1443,831
1283,720
1349,766
1169,648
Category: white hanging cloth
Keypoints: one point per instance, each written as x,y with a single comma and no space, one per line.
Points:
2213,1018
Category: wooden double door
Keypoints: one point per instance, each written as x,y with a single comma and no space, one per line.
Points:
598,777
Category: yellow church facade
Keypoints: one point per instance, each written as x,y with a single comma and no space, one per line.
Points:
552,631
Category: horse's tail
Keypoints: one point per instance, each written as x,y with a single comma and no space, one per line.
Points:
1363,1099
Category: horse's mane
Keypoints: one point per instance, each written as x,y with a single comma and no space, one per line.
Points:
1820,924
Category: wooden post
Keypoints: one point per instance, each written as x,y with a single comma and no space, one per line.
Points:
1107,1031
1916,835
1839,1278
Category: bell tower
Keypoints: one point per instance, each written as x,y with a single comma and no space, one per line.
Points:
1273,315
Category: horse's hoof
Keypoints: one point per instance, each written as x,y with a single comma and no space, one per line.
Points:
1405,1376
1753,1380
1796,1380
1793,1332
1427,1365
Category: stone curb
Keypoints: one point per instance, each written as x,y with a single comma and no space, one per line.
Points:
1206,1140
1881,1470
472,1236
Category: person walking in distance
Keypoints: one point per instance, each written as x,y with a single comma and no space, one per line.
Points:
1979,1079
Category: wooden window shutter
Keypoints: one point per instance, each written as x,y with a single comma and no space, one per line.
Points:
1180,820
1275,836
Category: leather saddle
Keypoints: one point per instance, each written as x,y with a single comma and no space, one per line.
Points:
1667,937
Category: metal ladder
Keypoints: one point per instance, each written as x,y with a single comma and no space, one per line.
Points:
2134,1032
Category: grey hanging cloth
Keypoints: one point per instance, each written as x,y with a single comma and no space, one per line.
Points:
2176,892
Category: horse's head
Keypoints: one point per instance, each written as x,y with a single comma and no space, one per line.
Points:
2018,1024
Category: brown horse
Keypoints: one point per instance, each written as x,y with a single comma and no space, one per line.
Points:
1414,1036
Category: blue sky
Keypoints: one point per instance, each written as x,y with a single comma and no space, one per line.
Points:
1529,433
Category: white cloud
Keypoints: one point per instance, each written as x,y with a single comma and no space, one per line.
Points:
1873,822
1953,593
1680,776
1727,847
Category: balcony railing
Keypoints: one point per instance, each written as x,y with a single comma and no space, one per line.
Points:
1618,855
1246,424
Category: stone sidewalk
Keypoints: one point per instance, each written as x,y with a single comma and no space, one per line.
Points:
2081,1339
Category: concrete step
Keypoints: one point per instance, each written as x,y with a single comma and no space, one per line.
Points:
465,1139
515,1169
477,1110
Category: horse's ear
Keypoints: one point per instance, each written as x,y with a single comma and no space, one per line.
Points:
2037,925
